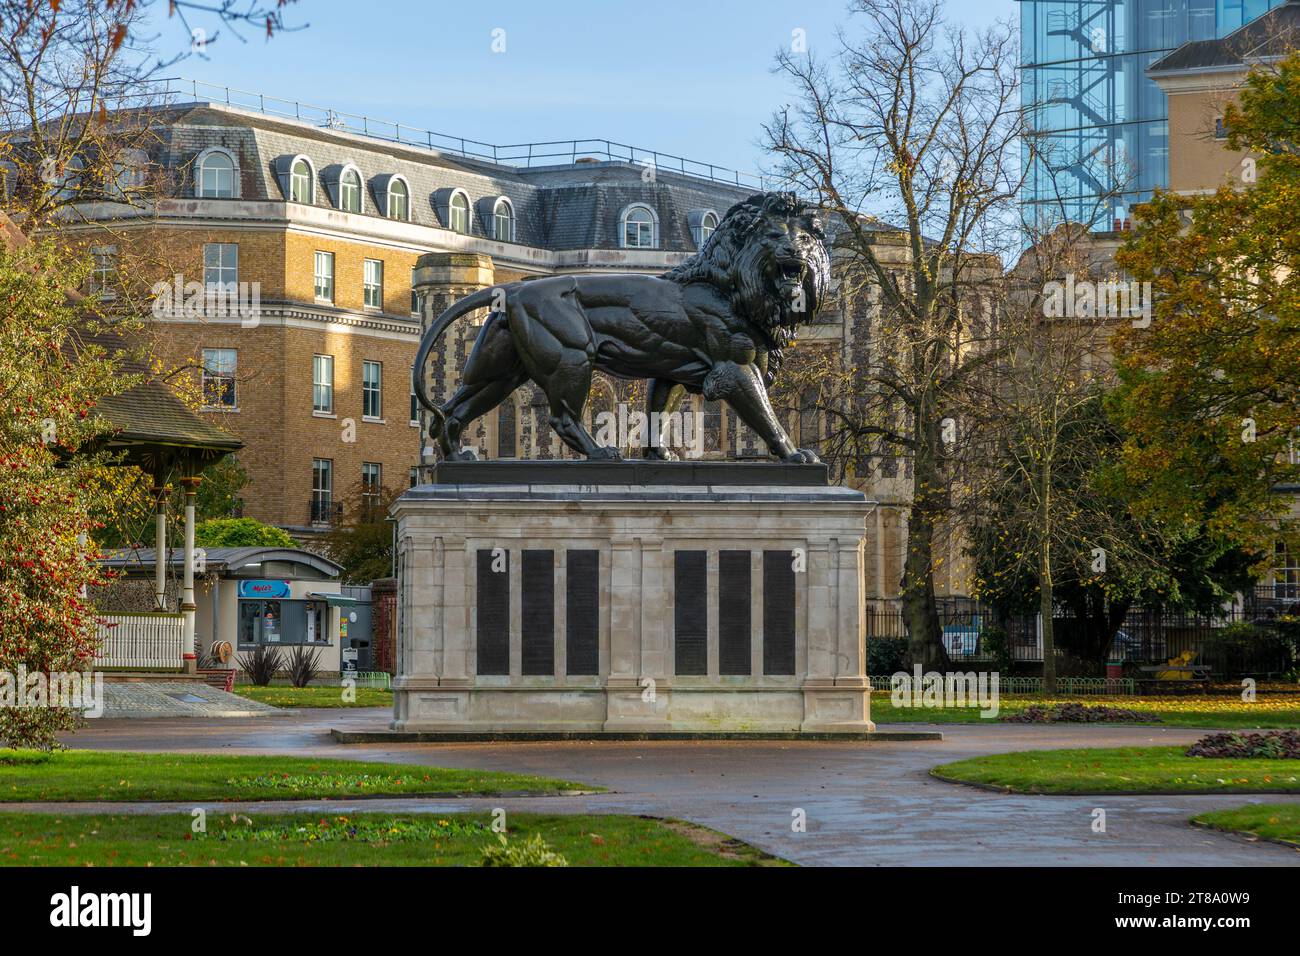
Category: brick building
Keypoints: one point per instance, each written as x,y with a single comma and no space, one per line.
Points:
324,226
323,217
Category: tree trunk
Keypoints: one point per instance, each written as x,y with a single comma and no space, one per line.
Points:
1045,584
1045,611
1105,617
920,613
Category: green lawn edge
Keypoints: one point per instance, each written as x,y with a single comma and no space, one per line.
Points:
1120,770
1273,822
47,839
316,695
90,776
1266,712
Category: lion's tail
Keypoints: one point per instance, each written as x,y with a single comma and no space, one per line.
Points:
430,338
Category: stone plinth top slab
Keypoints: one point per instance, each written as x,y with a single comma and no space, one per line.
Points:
829,495
636,472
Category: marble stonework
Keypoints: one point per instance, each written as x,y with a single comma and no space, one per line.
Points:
635,530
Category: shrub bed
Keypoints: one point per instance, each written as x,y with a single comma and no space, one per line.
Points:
1075,714
1270,745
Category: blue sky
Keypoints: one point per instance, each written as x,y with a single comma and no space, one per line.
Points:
689,78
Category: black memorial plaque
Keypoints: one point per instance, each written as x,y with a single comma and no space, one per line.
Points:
778,613
690,613
734,632
493,612
582,613
537,642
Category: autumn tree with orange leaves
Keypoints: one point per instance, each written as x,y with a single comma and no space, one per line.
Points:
1210,393
49,469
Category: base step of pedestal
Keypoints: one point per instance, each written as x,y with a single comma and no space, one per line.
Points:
434,737
577,600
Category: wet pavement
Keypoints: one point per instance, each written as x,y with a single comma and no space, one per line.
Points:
180,698
865,803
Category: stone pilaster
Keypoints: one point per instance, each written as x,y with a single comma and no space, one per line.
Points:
636,529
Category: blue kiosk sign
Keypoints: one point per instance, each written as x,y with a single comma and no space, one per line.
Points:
264,589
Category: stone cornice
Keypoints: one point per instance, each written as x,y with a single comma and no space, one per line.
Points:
261,214
296,315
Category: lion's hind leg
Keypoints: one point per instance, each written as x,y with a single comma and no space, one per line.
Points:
566,391
491,374
554,342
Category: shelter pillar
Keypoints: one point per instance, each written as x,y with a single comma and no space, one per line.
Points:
188,607
160,544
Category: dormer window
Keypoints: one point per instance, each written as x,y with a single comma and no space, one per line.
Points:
639,228
301,182
503,220
130,173
703,222
399,199
458,213
350,191
215,176
706,228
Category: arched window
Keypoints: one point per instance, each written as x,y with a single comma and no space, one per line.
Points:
503,221
639,228
810,432
399,199
215,178
350,191
707,225
301,182
458,212
506,443
600,414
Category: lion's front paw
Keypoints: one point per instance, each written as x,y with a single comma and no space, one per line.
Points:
605,454
659,453
802,456
465,454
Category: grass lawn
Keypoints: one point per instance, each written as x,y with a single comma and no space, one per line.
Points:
42,839
1271,821
317,695
106,775
1108,770
1280,711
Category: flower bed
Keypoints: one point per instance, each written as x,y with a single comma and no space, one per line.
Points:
1269,745
1076,714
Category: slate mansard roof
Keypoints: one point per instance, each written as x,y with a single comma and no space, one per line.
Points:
576,205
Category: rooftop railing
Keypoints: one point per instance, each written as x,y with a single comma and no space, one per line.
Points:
556,152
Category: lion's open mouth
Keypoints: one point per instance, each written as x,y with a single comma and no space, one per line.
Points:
790,273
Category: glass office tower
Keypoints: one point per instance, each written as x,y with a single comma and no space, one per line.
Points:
1100,130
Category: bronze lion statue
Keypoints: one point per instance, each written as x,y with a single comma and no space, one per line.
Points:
715,325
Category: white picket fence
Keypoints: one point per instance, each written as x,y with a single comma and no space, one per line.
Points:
140,641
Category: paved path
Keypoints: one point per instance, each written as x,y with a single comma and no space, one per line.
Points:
866,803
178,698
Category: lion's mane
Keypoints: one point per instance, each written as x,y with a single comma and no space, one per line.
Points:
733,262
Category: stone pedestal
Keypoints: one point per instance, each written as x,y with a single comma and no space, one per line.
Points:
631,597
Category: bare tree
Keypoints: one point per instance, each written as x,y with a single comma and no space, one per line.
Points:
1039,435
910,133
79,80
